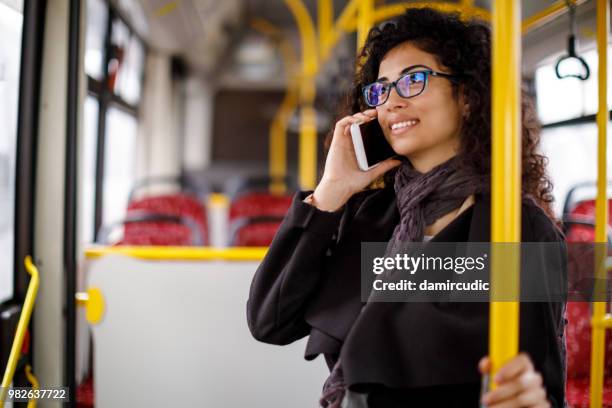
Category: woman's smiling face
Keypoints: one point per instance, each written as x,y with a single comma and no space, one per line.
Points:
425,128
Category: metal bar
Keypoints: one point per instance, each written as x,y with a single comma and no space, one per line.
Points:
467,9
180,253
308,124
278,127
506,181
307,36
575,121
22,326
325,22
365,18
347,19
103,102
605,322
308,146
70,197
601,208
550,13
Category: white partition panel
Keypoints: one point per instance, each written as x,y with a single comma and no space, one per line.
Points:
174,333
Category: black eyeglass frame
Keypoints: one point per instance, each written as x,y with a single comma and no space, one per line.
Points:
393,84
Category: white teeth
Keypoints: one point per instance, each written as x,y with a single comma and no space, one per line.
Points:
404,124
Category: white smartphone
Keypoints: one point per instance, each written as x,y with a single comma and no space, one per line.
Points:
370,144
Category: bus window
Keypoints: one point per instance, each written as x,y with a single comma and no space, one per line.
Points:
114,64
570,98
567,107
119,163
97,21
576,145
127,84
11,21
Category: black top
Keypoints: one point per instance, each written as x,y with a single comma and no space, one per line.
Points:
309,284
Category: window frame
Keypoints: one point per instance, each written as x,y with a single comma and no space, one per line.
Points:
107,99
30,72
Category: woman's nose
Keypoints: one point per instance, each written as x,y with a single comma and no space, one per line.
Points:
395,101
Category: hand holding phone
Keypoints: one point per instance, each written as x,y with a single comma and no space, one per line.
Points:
342,176
370,144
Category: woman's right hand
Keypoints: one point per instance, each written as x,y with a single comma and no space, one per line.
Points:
342,177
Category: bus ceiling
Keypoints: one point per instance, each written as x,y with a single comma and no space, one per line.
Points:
208,34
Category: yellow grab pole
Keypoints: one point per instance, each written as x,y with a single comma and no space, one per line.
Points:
308,121
365,17
601,210
345,23
308,138
325,22
278,141
278,128
22,326
506,182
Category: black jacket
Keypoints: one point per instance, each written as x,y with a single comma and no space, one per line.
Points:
309,284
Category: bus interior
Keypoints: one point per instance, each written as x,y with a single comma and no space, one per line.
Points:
149,150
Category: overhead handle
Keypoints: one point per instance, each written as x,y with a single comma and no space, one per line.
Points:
583,72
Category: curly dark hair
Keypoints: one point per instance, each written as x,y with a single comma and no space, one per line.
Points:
464,47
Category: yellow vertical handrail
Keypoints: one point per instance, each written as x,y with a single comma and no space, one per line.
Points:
22,326
308,121
506,181
365,18
329,34
601,211
277,138
325,25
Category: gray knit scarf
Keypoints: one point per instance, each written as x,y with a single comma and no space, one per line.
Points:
422,198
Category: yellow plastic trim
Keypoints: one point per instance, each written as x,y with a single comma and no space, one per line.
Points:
598,337
506,181
34,381
180,253
22,326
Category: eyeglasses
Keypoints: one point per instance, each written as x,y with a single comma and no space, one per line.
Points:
408,85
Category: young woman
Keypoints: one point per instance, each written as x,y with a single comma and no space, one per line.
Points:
426,79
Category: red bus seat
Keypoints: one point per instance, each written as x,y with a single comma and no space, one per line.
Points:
255,218
166,233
